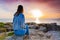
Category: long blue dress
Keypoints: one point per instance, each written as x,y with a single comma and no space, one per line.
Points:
19,27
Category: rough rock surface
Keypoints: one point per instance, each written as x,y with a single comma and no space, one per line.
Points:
39,35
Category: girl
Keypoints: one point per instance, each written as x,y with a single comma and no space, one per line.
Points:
19,27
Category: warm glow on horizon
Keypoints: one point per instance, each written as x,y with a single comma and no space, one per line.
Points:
37,14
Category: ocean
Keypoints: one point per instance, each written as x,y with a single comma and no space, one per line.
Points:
31,20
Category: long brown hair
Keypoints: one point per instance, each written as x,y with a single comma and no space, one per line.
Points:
19,10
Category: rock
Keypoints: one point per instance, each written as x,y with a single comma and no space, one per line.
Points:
38,35
14,38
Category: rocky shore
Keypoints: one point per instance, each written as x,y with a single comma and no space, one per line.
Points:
39,35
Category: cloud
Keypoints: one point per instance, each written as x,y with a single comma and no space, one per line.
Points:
4,13
55,3
51,3
28,5
8,1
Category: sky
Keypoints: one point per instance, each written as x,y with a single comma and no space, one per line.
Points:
49,8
